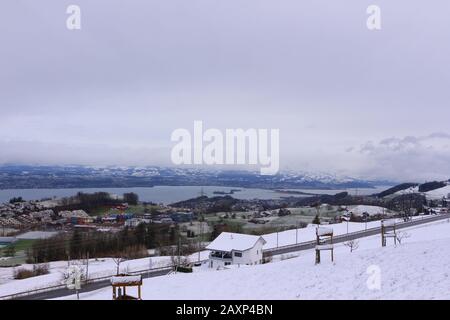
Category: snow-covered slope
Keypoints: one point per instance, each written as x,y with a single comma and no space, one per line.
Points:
438,193
359,210
419,268
407,191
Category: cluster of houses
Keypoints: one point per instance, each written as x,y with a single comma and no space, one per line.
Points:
175,217
34,214
44,218
20,215
82,220
442,206
259,217
17,222
15,208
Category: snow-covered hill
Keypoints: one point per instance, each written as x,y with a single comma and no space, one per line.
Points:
438,193
359,210
407,191
419,268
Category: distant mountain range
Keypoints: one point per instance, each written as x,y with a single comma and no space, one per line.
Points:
28,176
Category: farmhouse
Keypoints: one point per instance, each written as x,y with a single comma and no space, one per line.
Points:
235,248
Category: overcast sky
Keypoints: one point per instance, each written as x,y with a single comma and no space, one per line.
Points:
346,99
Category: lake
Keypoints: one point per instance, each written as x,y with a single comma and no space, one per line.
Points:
170,194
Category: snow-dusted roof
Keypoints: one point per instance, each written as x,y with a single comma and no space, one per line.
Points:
228,242
388,223
125,279
324,231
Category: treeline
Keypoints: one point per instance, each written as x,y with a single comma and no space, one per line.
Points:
429,186
127,243
395,189
16,200
91,201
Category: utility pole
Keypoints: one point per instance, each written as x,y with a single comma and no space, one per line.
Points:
87,267
277,239
149,266
200,234
179,248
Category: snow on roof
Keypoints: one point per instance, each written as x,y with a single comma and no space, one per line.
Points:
324,231
388,223
228,241
125,279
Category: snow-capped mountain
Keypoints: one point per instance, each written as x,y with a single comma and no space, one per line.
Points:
20,176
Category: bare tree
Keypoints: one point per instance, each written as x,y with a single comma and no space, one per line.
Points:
402,235
118,261
352,244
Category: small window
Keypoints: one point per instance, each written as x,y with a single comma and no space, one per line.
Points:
238,254
227,263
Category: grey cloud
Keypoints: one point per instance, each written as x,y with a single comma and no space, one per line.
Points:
140,69
409,158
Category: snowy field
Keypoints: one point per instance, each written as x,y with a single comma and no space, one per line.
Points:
419,268
436,194
359,210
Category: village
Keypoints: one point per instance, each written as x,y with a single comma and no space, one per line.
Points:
199,233
228,250
203,216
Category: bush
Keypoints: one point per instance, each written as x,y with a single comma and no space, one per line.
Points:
38,270
184,269
316,220
16,200
41,269
23,273
302,224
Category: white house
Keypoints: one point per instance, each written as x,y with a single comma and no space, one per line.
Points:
235,248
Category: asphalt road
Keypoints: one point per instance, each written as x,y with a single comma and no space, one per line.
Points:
86,288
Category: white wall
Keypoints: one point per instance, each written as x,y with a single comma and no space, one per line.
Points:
250,256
